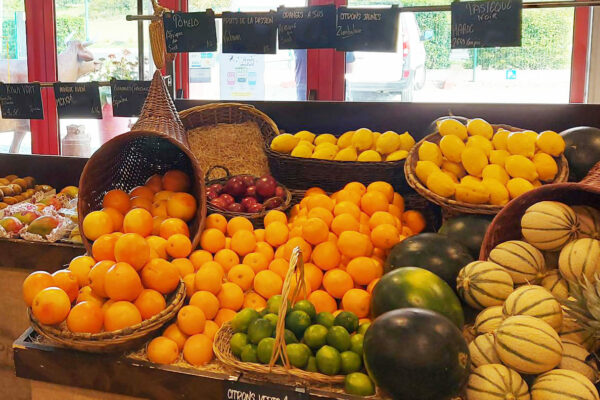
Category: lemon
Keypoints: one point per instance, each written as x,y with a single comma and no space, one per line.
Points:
498,193
451,175
440,184
369,155
521,167
518,186
551,142
305,135
406,141
452,147
327,145
494,171
306,143
474,160
284,143
324,153
325,138
472,192
397,155
545,166
376,136
424,169
482,143
453,127
468,179
536,183
531,135
388,143
345,140
455,167
499,139
347,154
362,139
498,157
302,151
519,143
430,152
480,127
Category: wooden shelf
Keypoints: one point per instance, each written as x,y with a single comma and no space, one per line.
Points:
50,257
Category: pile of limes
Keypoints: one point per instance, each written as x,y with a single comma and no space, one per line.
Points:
322,342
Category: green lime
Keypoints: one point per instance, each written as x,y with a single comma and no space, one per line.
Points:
264,350
274,303
298,354
348,320
351,362
264,312
329,360
362,329
312,365
259,329
237,343
356,343
339,338
242,319
248,354
325,318
307,307
289,337
297,322
272,318
315,336
359,384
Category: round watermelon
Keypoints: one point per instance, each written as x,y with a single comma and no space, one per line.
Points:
582,150
416,287
416,354
434,252
468,230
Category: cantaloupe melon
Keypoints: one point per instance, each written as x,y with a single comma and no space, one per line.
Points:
488,320
468,332
563,384
522,261
580,258
496,382
589,221
549,225
576,358
556,284
571,330
484,284
482,351
534,301
528,344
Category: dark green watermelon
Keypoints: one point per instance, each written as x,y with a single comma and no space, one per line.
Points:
582,150
468,230
416,287
437,253
416,354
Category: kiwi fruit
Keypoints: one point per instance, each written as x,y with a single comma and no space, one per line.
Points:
30,192
21,182
16,188
1,195
3,205
19,198
7,190
4,182
11,177
10,200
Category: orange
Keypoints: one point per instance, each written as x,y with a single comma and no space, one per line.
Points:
209,277
154,183
227,258
357,301
337,282
275,215
132,249
51,306
163,195
97,276
398,201
162,350
322,301
243,242
189,280
199,258
182,206
142,202
280,266
160,275
365,229
210,329
115,216
378,266
179,245
259,234
313,275
374,201
198,350
414,220
86,294
381,253
172,226
228,243
236,224
207,302
184,266
191,320
121,314
332,237
158,245
322,213
266,250
353,244
395,211
314,190
212,240
296,231
326,256
142,191
294,210
224,315
382,187
276,233
297,242
122,282
150,303
385,236
362,270
156,222
118,200
96,224
104,247
35,283
138,221
159,209
381,217
352,196
231,296
356,187
344,222
267,283
406,231
257,261
319,200
315,231
85,317
398,222
304,290
81,266
174,333
216,221
176,181
279,252
347,207
371,285
255,301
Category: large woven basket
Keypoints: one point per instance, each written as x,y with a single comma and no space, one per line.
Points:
507,224
108,342
451,206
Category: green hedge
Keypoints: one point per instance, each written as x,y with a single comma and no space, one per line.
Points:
67,25
10,36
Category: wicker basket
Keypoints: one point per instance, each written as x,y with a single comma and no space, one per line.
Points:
451,206
506,225
107,342
257,219
155,145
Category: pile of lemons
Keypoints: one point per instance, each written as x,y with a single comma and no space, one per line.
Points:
359,145
476,165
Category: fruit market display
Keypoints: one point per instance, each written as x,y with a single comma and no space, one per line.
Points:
475,164
468,230
582,150
246,194
359,145
14,190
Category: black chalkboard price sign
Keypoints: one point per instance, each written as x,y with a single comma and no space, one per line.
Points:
241,390
493,23
367,29
77,100
306,27
21,101
128,97
190,32
249,33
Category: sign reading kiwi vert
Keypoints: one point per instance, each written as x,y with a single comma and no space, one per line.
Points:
249,33
306,27
21,101
128,97
367,29
77,100
190,32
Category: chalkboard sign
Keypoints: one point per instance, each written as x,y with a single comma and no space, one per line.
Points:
495,23
306,27
21,101
367,29
77,100
240,390
190,32
249,33
128,97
